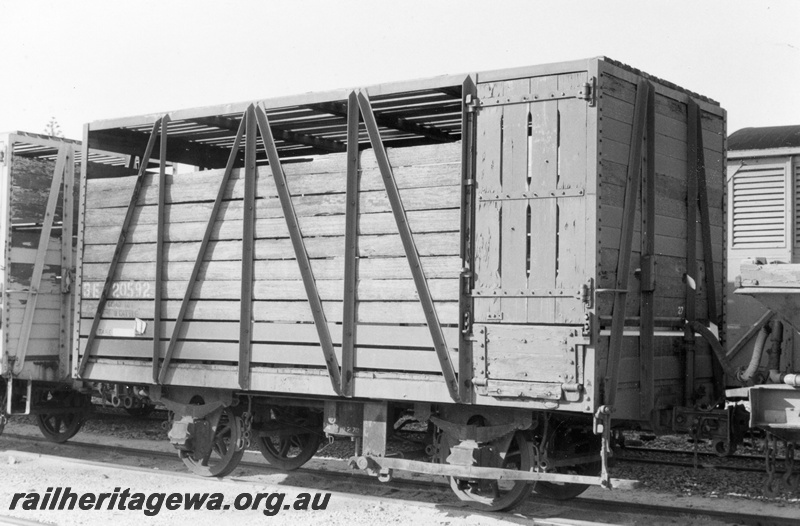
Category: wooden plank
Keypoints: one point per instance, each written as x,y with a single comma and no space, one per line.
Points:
388,336
366,358
571,270
367,312
514,179
331,290
369,268
544,173
489,140
27,256
318,247
423,221
531,354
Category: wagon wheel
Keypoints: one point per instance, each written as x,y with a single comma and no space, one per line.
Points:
61,426
498,495
224,455
289,452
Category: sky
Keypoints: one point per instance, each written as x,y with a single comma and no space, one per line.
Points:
90,60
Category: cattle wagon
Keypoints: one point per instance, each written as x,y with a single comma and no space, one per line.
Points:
521,259
38,206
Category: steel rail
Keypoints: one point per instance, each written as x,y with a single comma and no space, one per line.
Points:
362,483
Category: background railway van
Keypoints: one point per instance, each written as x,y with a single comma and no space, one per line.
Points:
763,185
518,260
764,252
38,208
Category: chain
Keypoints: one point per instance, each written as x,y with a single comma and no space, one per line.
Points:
3,417
790,478
770,452
245,425
696,441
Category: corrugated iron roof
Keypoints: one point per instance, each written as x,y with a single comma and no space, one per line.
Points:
767,137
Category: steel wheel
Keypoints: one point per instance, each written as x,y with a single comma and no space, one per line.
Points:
498,495
224,455
283,449
288,453
58,427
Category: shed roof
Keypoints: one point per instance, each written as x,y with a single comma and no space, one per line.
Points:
767,137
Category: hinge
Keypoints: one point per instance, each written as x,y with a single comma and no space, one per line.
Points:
587,293
588,91
470,103
66,281
2,153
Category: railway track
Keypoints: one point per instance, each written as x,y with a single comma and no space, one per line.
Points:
406,488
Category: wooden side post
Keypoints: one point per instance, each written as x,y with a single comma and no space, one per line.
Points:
160,221
248,254
349,326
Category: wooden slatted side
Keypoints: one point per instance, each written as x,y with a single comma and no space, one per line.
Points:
539,243
670,165
429,179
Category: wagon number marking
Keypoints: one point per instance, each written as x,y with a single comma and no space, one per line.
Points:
119,289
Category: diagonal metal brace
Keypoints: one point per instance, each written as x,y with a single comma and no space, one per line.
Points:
644,91
409,246
300,252
41,254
